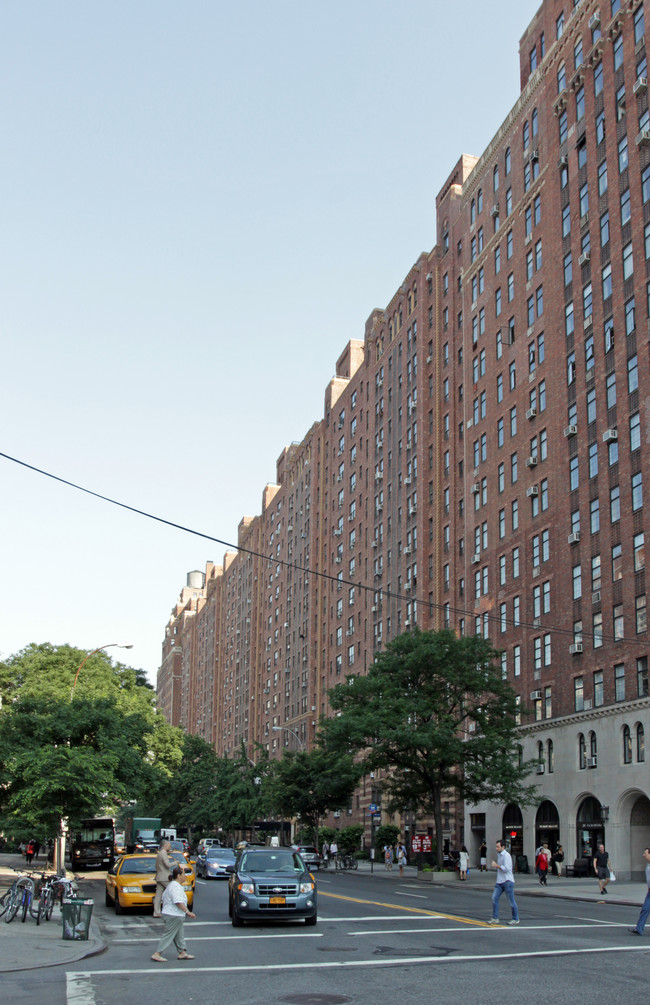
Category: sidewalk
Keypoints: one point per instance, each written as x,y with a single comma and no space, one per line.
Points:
526,884
29,946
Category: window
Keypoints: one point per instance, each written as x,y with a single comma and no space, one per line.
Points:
599,689
508,160
640,613
619,682
604,229
640,743
637,492
627,745
600,128
597,622
559,26
622,154
594,519
568,272
598,79
619,622
638,544
602,177
628,261
607,281
577,54
639,24
579,697
580,104
615,504
561,78
642,676
584,199
635,431
563,123
576,576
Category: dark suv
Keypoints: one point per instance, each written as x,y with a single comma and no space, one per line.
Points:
270,883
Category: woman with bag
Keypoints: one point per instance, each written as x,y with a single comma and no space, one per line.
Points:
174,911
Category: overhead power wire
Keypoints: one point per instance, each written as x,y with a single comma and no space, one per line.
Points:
328,577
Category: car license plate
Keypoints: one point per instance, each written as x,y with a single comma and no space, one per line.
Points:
277,900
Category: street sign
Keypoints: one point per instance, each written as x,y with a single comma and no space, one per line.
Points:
426,842
416,843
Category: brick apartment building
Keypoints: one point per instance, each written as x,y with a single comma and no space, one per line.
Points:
479,464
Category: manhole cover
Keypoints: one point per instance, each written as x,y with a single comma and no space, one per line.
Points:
316,999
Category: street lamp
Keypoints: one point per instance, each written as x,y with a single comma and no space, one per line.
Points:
109,645
285,729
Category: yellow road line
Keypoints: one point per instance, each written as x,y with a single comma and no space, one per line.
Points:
410,910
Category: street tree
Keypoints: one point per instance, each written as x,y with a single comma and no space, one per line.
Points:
189,800
309,784
242,790
435,714
70,754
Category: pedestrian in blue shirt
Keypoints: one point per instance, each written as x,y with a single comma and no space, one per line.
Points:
505,884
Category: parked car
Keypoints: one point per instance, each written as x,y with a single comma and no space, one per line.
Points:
131,882
309,855
271,883
212,862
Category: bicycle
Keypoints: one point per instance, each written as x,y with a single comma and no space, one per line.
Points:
20,898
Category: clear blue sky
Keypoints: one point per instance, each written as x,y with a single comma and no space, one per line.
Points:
202,203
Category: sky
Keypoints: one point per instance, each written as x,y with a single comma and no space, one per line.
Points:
202,204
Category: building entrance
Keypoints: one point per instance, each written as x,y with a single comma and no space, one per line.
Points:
590,828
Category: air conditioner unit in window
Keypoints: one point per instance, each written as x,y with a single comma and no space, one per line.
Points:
594,20
537,622
574,537
374,609
640,84
407,480
575,648
534,155
407,623
588,704
531,413
407,550
563,161
407,587
539,768
336,813
584,258
476,558
495,209
595,597
570,430
378,476
535,695
592,762
429,359
643,137
609,435
533,490
531,462
476,487
374,544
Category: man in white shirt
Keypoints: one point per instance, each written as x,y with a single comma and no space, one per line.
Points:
505,884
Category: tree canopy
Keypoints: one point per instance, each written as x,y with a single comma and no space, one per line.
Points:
308,784
436,715
71,755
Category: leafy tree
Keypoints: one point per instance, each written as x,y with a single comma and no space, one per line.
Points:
436,714
242,790
349,838
189,799
308,784
386,834
71,755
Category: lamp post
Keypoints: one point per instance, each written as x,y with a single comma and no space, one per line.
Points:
109,645
59,845
285,729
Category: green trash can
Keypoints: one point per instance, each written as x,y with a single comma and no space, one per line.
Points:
76,915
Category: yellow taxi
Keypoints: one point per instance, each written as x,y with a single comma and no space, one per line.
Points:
131,882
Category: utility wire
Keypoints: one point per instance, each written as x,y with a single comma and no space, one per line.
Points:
328,577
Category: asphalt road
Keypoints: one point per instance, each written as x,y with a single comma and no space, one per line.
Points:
376,941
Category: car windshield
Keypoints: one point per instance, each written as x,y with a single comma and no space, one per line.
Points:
139,865
180,858
277,861
220,853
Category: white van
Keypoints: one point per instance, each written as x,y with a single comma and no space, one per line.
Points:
208,843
